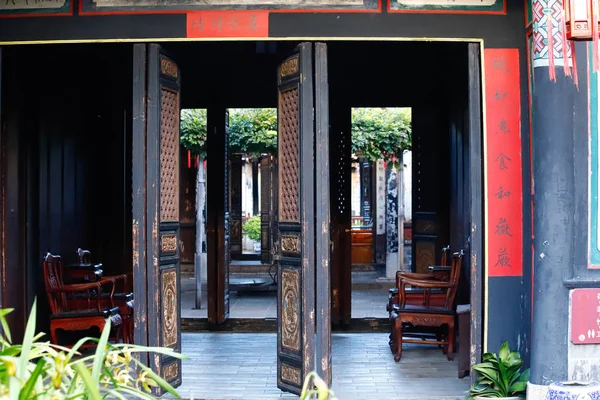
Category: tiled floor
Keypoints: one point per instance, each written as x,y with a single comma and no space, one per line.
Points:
367,302
243,366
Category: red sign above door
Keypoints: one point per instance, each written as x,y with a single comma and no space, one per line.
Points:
585,316
223,24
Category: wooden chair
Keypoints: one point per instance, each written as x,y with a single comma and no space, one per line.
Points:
427,315
417,297
123,296
76,307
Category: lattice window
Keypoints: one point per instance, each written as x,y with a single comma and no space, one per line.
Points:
169,155
289,197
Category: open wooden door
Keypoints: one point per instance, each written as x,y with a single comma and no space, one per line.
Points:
297,219
155,164
217,215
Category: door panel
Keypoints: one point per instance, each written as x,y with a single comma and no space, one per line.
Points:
217,215
340,153
159,215
265,210
295,252
323,249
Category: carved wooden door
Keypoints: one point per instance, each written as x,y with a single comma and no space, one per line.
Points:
156,208
298,114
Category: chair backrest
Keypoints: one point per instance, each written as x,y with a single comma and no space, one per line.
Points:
53,267
84,256
455,269
445,261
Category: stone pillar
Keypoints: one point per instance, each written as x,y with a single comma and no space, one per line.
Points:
236,188
394,232
379,241
554,105
200,255
255,187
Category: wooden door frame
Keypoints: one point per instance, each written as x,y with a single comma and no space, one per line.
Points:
479,310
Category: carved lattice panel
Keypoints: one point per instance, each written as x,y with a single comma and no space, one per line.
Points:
169,156
289,195
169,308
290,309
425,256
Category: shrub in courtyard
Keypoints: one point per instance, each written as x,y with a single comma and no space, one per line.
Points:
37,369
252,228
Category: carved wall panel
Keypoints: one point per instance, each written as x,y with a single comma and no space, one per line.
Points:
169,68
425,256
170,371
291,374
290,244
169,156
289,195
168,243
290,309
169,308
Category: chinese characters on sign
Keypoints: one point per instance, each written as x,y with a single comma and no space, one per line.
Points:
585,316
213,24
504,168
37,7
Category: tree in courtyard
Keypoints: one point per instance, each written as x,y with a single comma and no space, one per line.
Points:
377,133
381,133
252,131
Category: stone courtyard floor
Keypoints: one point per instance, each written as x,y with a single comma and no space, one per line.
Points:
244,366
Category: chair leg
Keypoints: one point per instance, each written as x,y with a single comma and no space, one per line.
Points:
398,339
451,335
53,336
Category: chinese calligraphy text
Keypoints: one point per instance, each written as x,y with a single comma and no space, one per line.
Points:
504,164
213,24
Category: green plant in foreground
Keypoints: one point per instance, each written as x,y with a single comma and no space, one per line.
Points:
40,370
315,388
500,376
252,228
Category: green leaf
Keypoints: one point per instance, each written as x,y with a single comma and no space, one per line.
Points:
504,352
27,342
27,389
101,352
4,323
90,383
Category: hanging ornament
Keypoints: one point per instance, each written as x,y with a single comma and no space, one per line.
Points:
580,23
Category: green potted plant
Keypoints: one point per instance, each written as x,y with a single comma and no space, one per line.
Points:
500,377
36,369
251,229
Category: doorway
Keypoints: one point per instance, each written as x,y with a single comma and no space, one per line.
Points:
439,105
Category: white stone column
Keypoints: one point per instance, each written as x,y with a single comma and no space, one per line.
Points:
392,263
200,273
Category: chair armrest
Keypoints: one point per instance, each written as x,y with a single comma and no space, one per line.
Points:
76,287
416,275
424,284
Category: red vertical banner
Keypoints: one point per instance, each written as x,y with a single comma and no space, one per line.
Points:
504,167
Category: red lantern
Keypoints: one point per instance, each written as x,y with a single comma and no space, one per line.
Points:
579,19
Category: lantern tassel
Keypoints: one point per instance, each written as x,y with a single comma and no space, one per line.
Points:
573,56
565,44
552,68
189,159
595,36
